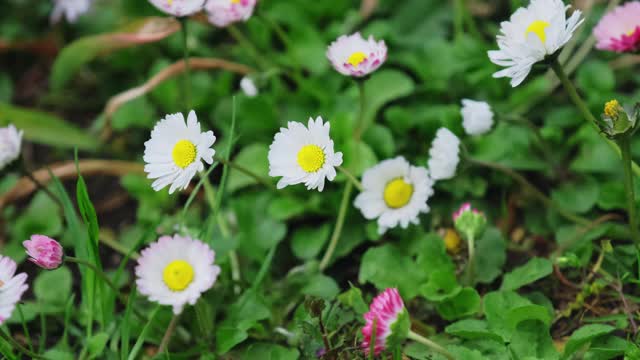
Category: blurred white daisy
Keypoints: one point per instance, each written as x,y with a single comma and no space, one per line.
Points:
395,193
352,55
225,12
304,155
444,155
178,7
175,151
248,87
175,271
11,287
70,9
531,34
477,117
10,144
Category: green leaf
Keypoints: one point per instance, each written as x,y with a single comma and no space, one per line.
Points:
358,157
45,128
137,113
263,351
532,340
85,49
307,242
496,306
384,86
96,344
285,207
321,286
442,285
491,255
528,312
584,335
472,329
243,315
577,197
466,303
254,158
53,286
535,269
596,76
353,299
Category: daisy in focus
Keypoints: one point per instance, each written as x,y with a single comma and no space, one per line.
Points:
11,287
226,12
10,144
71,10
176,150
530,35
352,55
175,271
302,154
395,193
619,30
477,117
178,7
391,322
444,155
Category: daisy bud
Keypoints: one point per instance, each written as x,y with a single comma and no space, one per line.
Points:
619,30
10,142
445,155
44,251
616,121
352,55
469,221
391,320
477,117
248,87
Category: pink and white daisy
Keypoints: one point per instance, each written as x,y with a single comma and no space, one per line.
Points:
176,271
352,55
11,287
222,13
44,251
391,320
178,7
464,208
619,30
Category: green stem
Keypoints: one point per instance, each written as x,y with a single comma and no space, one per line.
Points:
351,177
625,146
187,67
98,272
430,344
360,125
25,170
342,213
470,271
246,171
164,344
544,199
584,109
458,18
22,349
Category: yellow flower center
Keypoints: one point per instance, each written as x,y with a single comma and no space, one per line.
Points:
170,2
235,1
1,283
612,108
630,32
311,158
178,275
184,153
356,58
452,241
397,193
537,27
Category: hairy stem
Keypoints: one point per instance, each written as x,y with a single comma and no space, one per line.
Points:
430,344
342,213
625,146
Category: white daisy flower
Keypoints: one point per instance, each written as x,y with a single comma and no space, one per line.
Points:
248,87
352,55
395,193
11,287
304,155
530,35
70,9
225,12
178,7
10,144
477,117
176,271
175,150
445,155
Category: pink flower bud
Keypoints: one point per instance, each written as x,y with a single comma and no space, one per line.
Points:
391,321
44,251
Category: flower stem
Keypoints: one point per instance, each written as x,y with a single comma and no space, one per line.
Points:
246,171
25,170
167,335
97,271
430,344
625,146
360,126
187,69
584,109
22,349
544,199
470,271
351,177
342,213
